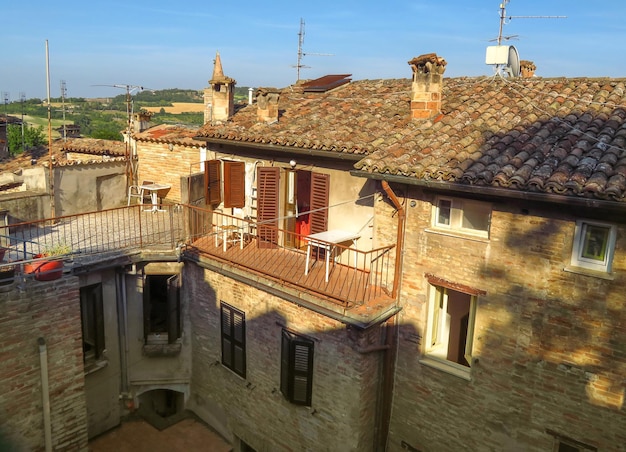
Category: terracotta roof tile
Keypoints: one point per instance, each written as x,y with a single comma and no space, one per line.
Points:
563,136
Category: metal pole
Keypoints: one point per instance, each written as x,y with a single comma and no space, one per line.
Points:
45,393
51,161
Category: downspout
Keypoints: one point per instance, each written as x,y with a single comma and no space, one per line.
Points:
391,328
123,329
45,393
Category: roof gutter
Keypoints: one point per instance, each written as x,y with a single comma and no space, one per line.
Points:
286,149
494,192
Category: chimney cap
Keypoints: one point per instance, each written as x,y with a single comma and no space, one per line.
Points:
427,63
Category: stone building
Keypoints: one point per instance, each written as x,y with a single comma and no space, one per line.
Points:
410,264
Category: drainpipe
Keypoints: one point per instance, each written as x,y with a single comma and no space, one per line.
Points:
400,237
391,328
122,324
45,394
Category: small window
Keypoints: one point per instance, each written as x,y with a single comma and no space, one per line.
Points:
233,339
92,322
296,373
594,243
564,444
162,316
462,215
450,328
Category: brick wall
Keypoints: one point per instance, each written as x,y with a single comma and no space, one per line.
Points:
549,342
157,163
343,407
50,310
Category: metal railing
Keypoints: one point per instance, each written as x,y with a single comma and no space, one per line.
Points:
354,277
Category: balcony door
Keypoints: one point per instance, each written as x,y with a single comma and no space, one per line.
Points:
305,206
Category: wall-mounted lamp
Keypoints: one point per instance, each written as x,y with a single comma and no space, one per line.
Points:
413,203
171,146
292,163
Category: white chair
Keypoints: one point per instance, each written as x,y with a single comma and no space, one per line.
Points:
135,191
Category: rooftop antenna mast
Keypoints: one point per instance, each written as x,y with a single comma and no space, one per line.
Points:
131,172
504,18
301,52
505,59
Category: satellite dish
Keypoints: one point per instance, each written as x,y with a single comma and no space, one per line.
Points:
513,65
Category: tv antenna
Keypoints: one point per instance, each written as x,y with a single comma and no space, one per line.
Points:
505,58
301,52
504,18
131,172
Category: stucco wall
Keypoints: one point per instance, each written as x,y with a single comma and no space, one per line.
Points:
342,415
548,343
89,187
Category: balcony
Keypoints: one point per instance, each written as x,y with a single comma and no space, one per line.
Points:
354,278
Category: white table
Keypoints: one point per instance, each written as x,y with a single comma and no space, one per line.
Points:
153,189
328,240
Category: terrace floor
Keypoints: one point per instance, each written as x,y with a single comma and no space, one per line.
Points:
138,435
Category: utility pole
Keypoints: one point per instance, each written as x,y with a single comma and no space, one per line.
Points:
22,99
63,93
5,97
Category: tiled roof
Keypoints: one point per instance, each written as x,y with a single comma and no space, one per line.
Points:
562,136
165,133
93,146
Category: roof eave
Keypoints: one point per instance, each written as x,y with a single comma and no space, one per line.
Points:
502,193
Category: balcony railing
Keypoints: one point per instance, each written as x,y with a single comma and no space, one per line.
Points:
354,276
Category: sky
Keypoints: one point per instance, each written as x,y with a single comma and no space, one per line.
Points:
164,44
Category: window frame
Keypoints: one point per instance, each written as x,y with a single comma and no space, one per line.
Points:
294,371
233,342
92,322
580,244
173,329
457,214
437,339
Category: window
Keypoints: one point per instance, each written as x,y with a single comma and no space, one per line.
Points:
161,303
593,247
92,322
234,183
564,444
296,372
450,328
462,215
233,339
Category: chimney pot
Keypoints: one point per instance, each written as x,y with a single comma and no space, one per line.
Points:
267,104
527,68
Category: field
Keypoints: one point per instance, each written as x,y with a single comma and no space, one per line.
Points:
34,121
178,107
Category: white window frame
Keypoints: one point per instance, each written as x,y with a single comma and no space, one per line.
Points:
438,333
580,246
456,215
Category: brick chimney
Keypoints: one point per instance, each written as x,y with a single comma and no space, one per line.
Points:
527,68
427,85
267,104
219,98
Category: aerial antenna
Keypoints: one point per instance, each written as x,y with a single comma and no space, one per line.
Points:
301,52
505,59
504,18
131,172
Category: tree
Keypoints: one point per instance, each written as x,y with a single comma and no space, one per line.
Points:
33,137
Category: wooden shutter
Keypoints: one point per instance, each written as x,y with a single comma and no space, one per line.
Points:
296,382
173,308
268,179
212,182
320,184
233,339
234,184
